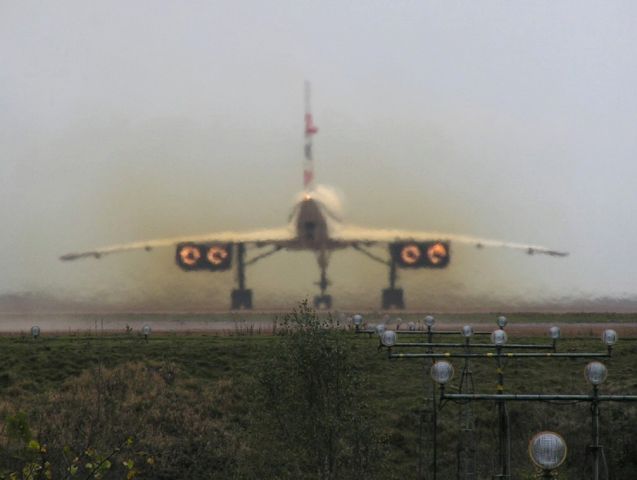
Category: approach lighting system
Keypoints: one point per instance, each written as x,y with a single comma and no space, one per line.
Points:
380,329
609,337
595,373
357,319
146,330
547,450
429,321
388,338
441,372
502,321
554,333
499,337
194,256
420,255
467,331
35,331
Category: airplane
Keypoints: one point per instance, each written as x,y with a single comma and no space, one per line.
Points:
314,226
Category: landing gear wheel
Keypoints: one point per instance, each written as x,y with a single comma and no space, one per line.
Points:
393,298
323,302
241,299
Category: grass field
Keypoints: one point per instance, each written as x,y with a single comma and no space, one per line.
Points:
212,376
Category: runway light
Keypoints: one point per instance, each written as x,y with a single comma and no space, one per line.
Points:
595,373
388,338
35,331
441,372
357,319
499,337
609,337
467,331
554,332
429,321
547,450
502,321
380,329
411,326
146,330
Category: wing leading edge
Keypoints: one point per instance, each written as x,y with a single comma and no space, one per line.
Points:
357,235
278,237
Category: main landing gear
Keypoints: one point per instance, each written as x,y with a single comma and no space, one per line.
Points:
241,297
323,301
392,296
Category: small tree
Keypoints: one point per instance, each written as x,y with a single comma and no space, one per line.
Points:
311,420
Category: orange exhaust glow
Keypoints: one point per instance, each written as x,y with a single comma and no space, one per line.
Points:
410,254
189,255
217,255
437,253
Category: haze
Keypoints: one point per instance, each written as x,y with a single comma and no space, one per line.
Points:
122,121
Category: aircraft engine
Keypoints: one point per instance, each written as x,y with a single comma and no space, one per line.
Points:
195,256
420,255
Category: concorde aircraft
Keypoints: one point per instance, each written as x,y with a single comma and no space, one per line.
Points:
315,226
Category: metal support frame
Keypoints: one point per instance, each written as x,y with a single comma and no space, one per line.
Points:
425,332
438,332
595,398
501,399
493,355
474,345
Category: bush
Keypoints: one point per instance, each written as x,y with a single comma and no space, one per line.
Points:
310,418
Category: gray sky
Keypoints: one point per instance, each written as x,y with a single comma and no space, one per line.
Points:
122,121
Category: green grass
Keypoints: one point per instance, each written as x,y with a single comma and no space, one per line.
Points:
397,389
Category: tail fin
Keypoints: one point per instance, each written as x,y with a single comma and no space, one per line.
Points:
310,130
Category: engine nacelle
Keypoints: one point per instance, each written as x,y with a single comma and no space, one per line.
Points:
210,256
420,254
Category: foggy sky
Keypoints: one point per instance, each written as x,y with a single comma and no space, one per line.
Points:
122,121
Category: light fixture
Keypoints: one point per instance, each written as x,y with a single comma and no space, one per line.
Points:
441,372
467,331
499,337
35,331
411,326
146,330
429,321
554,332
547,450
595,373
502,321
388,338
380,329
357,319
609,337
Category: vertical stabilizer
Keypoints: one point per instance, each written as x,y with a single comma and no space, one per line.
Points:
310,131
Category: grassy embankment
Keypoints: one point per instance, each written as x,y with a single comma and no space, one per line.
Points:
214,374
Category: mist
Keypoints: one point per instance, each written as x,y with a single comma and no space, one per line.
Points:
122,122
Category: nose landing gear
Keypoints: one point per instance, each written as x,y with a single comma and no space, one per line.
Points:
323,301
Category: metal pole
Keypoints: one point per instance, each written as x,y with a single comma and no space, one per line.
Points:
504,355
595,428
435,431
475,345
503,428
526,397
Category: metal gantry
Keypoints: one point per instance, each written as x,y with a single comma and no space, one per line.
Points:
442,372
